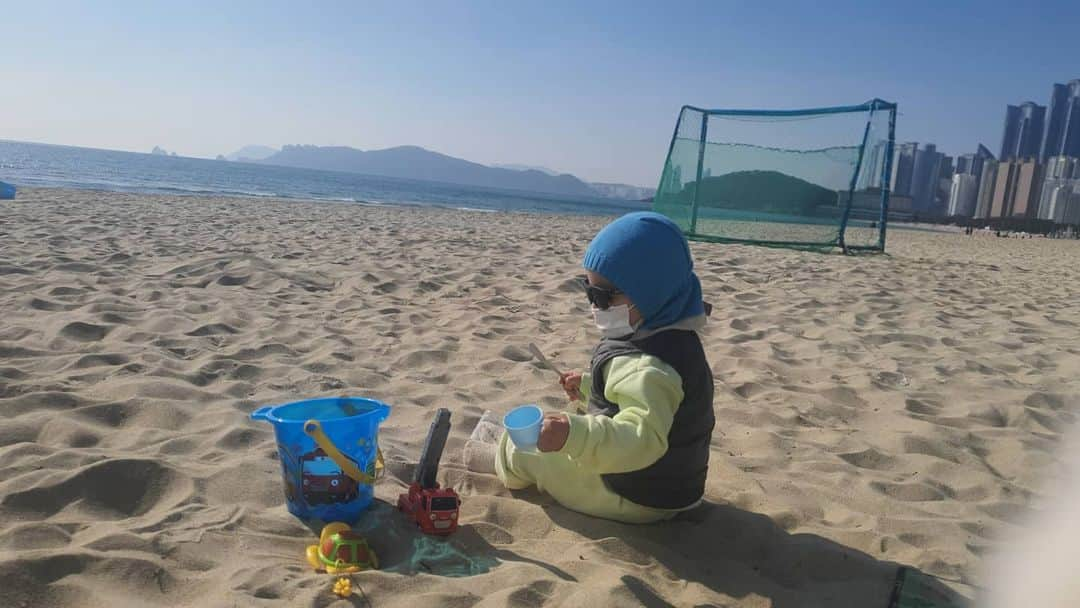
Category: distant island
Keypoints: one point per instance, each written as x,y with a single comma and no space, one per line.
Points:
252,153
414,162
159,151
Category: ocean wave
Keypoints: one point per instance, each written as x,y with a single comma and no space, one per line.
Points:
218,191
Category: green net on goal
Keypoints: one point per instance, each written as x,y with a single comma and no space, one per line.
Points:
815,179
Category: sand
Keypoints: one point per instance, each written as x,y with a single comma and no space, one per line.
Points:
871,411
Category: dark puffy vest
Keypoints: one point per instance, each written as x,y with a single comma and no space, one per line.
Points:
677,479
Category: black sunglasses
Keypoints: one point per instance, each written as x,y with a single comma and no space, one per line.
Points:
599,297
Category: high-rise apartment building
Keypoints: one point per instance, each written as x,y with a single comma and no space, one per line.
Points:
1023,133
903,166
1017,189
925,176
963,195
1063,122
987,182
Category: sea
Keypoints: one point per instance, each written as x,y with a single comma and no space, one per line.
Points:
33,164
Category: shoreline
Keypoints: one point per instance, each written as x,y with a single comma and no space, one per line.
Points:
920,227
167,192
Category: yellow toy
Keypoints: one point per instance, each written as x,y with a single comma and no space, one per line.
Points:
343,587
341,551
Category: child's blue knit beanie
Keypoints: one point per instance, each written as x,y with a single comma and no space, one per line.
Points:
646,256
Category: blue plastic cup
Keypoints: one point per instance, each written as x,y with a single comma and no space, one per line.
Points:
523,423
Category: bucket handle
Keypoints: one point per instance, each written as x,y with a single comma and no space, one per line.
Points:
314,430
262,413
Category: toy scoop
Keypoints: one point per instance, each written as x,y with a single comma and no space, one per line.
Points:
341,551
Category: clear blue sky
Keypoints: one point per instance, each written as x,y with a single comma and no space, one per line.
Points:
593,90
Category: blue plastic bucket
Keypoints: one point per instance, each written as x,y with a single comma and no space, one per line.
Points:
523,423
328,450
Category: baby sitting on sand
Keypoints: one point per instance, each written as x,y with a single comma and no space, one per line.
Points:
641,454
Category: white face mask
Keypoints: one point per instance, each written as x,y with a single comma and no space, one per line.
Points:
613,322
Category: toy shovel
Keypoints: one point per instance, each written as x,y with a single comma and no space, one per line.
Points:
535,350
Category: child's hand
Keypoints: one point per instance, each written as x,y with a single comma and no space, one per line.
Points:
555,432
571,383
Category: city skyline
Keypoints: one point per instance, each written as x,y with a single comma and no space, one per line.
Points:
1034,176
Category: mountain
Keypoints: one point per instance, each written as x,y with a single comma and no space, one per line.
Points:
413,162
514,167
622,191
767,191
251,153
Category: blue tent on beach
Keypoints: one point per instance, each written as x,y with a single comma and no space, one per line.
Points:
7,191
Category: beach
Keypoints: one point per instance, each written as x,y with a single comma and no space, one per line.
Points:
872,411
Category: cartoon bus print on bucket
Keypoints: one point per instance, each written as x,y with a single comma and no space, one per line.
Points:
323,482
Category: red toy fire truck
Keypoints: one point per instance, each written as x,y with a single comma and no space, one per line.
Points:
434,509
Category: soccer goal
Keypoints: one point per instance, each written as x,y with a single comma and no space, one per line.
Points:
813,179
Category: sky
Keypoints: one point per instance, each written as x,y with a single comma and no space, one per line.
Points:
590,88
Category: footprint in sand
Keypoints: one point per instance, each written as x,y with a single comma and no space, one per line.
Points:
112,490
85,332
